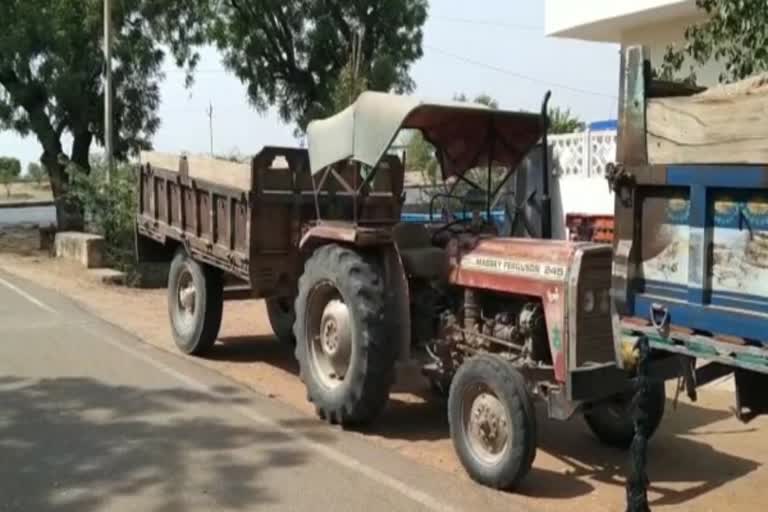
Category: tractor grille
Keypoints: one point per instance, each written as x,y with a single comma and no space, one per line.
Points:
594,334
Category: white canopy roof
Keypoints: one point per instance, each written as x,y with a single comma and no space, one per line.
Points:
464,134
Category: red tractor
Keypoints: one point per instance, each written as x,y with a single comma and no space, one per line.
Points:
501,321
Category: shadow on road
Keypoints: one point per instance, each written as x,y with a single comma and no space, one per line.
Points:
681,467
75,444
249,349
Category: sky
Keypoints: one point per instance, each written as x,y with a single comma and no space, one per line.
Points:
500,50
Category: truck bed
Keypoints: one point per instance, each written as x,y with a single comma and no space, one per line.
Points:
246,219
691,224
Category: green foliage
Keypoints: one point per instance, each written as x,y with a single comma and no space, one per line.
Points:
563,121
10,169
735,34
290,53
51,65
420,157
350,82
35,172
109,207
483,99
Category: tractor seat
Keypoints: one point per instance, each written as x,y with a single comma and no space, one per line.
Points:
420,258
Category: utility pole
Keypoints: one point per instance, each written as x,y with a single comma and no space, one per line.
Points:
108,131
210,123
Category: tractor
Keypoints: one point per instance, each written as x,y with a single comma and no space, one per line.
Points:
499,323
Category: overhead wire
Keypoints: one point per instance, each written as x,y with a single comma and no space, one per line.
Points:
515,74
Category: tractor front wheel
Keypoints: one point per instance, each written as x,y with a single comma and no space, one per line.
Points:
346,356
492,421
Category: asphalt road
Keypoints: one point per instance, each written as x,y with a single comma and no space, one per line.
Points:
93,419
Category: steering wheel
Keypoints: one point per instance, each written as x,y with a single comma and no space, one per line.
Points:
451,228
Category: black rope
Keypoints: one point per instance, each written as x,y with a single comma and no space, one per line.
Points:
637,481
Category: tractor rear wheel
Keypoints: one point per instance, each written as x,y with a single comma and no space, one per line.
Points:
195,303
282,316
492,421
611,420
345,354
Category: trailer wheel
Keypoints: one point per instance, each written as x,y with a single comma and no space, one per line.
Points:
492,421
611,420
282,316
345,354
195,303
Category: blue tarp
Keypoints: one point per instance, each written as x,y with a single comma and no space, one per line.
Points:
497,216
598,126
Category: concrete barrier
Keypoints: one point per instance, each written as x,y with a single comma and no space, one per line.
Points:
84,248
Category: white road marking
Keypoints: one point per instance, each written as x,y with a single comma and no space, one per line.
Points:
327,451
27,296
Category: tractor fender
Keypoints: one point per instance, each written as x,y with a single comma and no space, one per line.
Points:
344,233
376,242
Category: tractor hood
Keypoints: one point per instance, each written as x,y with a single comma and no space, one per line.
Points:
465,135
546,260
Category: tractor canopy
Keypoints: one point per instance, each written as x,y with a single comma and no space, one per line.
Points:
465,135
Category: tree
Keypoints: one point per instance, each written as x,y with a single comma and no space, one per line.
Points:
36,172
51,63
350,82
290,53
10,169
483,99
734,34
420,157
563,121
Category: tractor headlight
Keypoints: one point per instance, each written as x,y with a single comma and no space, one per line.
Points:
589,301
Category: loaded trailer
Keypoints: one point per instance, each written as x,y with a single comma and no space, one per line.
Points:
233,230
690,271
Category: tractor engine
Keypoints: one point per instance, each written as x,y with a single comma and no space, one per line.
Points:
488,322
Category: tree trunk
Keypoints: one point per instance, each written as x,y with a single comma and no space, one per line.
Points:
69,213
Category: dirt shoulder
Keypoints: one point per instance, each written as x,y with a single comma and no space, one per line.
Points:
23,191
701,459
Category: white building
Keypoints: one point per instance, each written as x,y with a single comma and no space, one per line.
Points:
653,23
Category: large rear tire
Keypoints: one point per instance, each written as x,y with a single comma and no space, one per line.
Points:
492,421
611,420
282,316
195,303
346,357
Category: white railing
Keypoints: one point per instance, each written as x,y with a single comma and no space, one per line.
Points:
583,154
578,169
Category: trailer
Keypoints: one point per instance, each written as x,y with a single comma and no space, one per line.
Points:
690,266
232,230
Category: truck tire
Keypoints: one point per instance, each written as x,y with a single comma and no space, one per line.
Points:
492,421
611,420
346,357
282,316
195,303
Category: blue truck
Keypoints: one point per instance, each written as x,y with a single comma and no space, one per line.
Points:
690,270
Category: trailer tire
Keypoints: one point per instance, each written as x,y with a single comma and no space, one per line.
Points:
345,354
195,303
488,397
282,316
611,421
